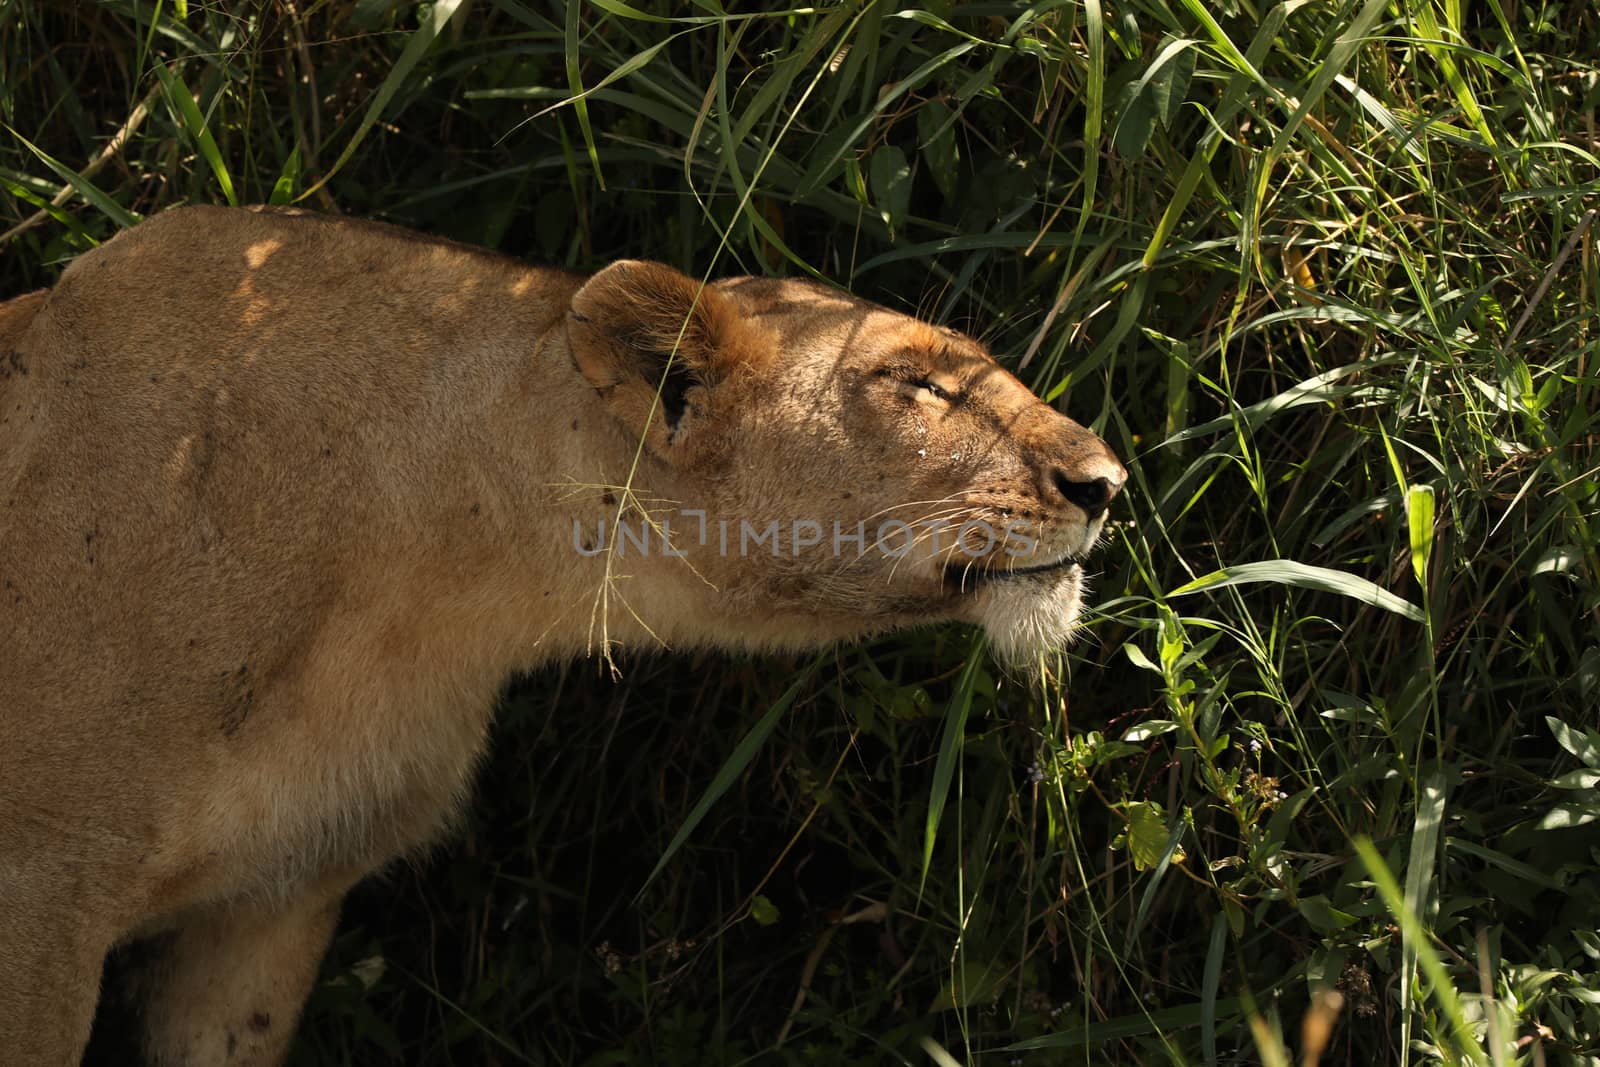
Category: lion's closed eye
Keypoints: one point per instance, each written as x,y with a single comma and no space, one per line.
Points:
923,387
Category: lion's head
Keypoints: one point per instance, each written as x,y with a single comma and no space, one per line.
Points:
831,460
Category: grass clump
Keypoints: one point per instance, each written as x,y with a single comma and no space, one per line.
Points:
1323,784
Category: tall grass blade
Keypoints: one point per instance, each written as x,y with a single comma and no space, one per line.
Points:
1305,576
188,114
436,17
84,187
732,768
944,767
1420,863
1159,1021
1210,982
1415,933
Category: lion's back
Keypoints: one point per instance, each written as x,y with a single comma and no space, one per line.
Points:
205,421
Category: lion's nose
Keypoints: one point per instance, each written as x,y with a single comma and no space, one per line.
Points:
1091,490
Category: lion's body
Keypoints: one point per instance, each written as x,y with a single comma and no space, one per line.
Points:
283,502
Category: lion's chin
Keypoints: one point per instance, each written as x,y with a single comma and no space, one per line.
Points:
1029,615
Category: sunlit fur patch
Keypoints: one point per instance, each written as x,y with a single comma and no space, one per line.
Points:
1029,616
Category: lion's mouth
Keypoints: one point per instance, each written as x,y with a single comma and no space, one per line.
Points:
967,577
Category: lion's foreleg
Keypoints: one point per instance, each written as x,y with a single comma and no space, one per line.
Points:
50,959
228,986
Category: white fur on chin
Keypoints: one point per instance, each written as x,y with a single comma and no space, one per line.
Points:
1029,615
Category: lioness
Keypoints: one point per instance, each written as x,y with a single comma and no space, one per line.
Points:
288,498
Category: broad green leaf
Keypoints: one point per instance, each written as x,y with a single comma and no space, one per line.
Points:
1137,657
1585,744
1134,126
1180,372
1322,915
283,188
1305,576
1147,833
889,176
763,910
1171,850
1170,84
1580,779
1419,521
1568,816
1559,559
936,138
1155,96
1144,731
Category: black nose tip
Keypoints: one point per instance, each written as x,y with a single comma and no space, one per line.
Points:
1093,495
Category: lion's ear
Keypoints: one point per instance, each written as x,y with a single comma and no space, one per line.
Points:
653,343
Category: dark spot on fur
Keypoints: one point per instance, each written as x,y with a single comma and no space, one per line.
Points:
233,1043
260,1022
844,496
574,424
237,698
577,317
13,363
327,451
477,508
608,498
203,457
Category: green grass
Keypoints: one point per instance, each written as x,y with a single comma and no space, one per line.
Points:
1324,273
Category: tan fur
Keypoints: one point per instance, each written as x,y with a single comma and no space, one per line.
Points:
284,501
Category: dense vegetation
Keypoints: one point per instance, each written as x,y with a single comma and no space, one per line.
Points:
1320,779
